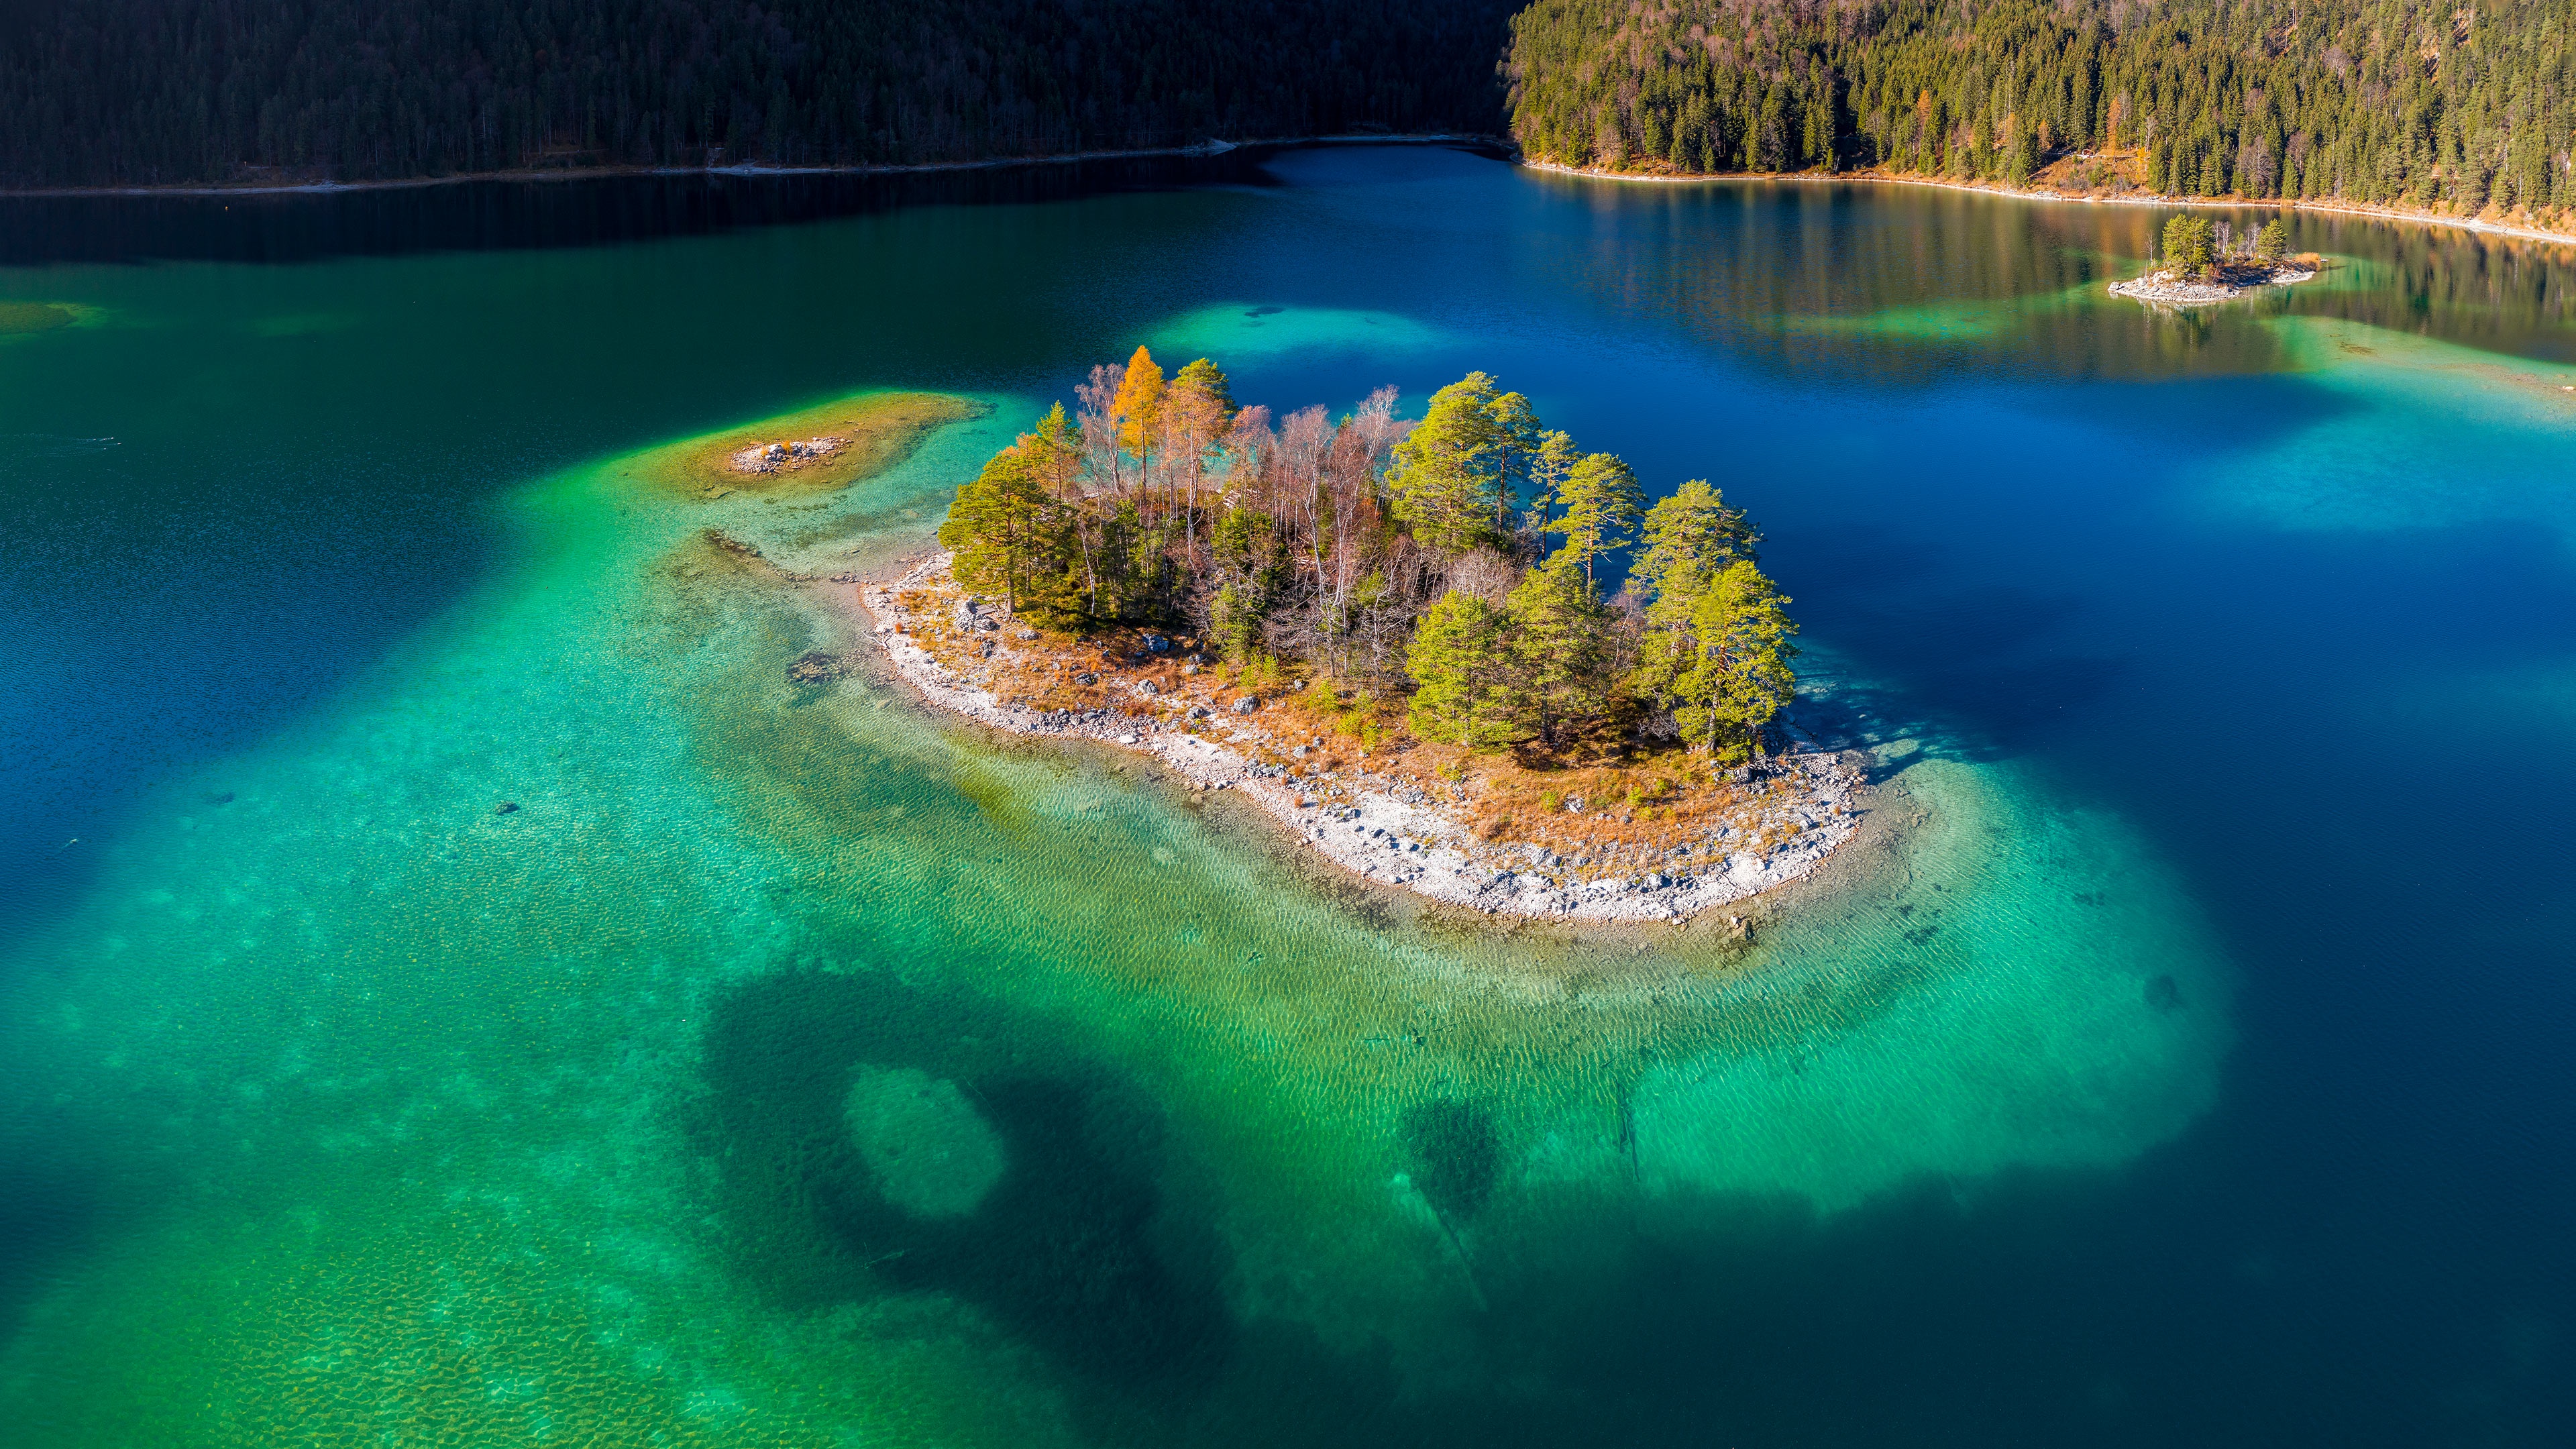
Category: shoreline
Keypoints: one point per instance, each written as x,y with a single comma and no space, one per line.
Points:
746,170
2142,198
1382,828
1213,147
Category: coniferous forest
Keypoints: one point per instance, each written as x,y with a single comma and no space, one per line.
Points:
2460,108
99,92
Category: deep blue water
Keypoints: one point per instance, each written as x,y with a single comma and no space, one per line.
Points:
2287,592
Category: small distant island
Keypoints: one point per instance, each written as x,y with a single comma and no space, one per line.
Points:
817,450
1393,636
2207,262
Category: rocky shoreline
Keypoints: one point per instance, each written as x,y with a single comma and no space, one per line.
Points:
1382,825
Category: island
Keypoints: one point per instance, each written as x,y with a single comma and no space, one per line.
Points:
2206,262
1395,637
819,449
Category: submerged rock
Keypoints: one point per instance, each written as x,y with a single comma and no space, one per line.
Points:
815,667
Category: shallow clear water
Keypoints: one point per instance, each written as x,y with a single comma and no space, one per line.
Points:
792,1067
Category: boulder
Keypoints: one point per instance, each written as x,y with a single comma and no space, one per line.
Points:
1147,689
1247,704
814,667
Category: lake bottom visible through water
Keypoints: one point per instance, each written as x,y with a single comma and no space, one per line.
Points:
793,1065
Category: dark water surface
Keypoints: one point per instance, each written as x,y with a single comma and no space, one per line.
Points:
790,1069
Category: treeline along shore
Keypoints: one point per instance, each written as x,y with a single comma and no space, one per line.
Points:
111,93
2457,112
2462,112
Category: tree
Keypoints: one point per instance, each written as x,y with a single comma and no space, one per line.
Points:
1692,543
1517,442
1601,500
1003,530
1560,641
1460,662
2188,242
2272,240
1139,405
110,92
1196,409
1549,467
1738,675
1446,470
1687,538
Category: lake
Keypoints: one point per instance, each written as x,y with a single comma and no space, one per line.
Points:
2187,1063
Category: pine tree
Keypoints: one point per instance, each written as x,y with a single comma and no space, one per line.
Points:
1444,471
1460,662
1194,411
1517,441
1207,380
1006,534
1691,541
1560,633
1601,499
1549,467
1738,675
1687,538
2188,242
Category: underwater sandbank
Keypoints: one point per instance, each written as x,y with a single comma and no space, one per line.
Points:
868,433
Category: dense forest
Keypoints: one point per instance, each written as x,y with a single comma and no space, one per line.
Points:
165,91
2458,107
1459,563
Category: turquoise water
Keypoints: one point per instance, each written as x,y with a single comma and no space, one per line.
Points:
795,1067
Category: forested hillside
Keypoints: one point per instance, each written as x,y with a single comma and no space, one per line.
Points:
2463,107
163,91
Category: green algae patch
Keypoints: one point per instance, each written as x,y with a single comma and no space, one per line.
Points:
817,450
18,319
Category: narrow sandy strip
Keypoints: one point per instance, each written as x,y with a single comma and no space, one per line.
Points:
752,168
1375,834
2141,198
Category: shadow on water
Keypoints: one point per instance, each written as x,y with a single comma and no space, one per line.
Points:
1076,1249
49,1216
488,215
